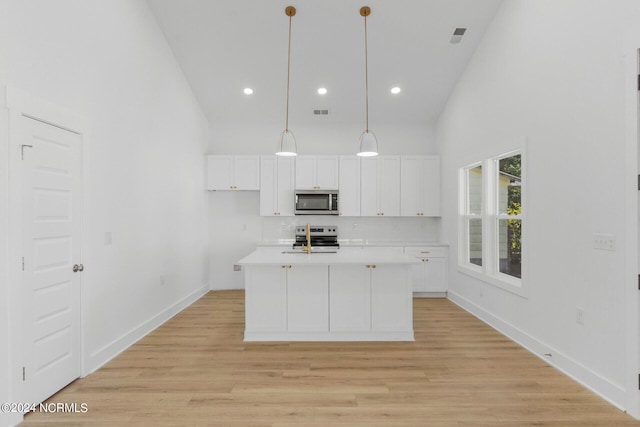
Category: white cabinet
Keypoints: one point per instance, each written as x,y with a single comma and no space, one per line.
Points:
349,188
350,298
316,172
380,186
266,299
370,298
431,274
287,298
276,186
391,311
420,184
307,298
233,172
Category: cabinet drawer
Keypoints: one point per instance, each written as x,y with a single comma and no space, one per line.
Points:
426,251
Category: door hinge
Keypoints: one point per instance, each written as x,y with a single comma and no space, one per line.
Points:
639,82
639,282
22,263
24,373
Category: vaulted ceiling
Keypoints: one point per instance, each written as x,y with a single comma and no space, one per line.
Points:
224,46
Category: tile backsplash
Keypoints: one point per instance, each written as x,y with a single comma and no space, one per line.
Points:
369,229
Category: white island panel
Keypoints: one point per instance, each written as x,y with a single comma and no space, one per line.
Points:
349,296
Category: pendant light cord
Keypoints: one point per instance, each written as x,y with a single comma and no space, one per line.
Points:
286,125
366,73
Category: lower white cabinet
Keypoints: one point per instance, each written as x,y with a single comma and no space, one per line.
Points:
337,302
391,310
307,298
350,298
430,276
370,298
266,299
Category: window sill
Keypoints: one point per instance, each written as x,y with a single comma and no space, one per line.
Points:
502,281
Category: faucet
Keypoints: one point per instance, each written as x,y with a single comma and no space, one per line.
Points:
307,247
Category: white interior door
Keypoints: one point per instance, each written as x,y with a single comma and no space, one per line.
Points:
51,218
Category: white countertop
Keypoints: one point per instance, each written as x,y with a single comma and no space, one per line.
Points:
357,242
341,257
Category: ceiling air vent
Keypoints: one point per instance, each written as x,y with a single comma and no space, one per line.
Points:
457,35
320,112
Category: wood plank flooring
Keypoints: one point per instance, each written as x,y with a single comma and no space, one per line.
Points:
196,371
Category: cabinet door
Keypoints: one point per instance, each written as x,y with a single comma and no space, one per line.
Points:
349,188
268,186
266,293
285,186
389,185
369,187
418,277
305,172
327,172
246,173
431,186
219,172
411,184
435,274
308,298
391,299
349,298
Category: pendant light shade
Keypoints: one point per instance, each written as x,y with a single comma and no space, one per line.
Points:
288,146
368,140
368,144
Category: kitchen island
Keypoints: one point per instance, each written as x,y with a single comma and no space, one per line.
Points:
349,295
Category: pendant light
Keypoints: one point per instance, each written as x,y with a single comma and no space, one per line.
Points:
368,140
288,146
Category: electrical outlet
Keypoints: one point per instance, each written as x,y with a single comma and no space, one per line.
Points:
580,315
605,242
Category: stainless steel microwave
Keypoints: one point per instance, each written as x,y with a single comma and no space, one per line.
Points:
316,202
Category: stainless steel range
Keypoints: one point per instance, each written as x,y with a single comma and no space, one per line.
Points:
323,237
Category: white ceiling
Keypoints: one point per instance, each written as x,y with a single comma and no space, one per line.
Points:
224,46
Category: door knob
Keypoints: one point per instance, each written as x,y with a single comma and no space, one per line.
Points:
76,267
81,267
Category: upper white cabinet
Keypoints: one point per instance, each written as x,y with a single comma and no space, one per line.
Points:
276,182
233,172
349,188
317,172
420,183
380,186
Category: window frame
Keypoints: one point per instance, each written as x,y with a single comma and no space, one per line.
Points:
490,272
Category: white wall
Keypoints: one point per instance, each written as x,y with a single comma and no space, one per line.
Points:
108,62
321,137
235,225
553,72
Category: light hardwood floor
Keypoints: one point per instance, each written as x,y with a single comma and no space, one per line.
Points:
196,371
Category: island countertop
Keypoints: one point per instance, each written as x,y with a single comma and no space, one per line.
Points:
342,256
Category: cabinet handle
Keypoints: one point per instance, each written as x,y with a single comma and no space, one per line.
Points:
283,266
382,213
368,266
373,266
425,252
289,266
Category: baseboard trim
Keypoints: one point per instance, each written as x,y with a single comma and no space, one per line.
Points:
102,356
608,390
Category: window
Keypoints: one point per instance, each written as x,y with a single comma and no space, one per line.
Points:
491,218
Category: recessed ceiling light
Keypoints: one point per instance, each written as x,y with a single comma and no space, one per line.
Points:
247,91
322,91
395,90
